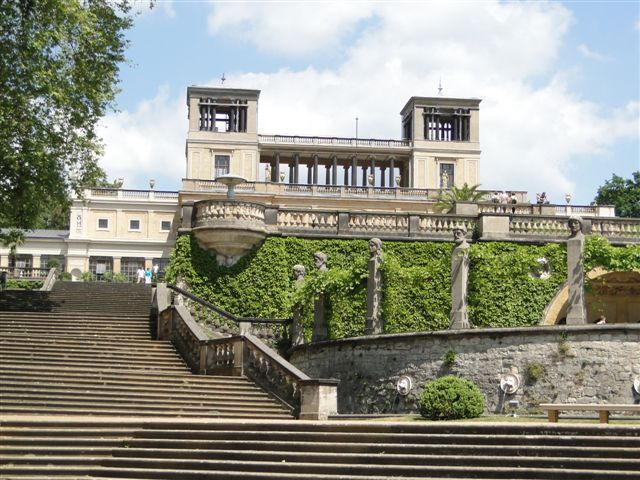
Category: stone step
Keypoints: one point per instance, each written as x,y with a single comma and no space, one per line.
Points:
158,401
191,469
122,376
133,390
147,380
210,413
194,448
93,364
78,351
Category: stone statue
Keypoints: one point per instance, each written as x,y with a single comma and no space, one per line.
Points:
444,180
459,275
576,311
320,260
267,173
297,331
575,226
373,324
320,327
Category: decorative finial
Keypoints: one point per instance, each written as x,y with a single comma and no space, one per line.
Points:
440,87
222,80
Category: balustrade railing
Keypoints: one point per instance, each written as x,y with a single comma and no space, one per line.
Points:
242,354
26,273
338,141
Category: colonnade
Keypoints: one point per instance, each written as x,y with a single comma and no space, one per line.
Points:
352,171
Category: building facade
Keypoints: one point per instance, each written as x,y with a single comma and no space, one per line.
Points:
299,185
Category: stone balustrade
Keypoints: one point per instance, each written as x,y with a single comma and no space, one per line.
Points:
243,354
334,141
212,211
489,225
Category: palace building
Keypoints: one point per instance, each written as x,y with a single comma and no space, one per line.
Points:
241,186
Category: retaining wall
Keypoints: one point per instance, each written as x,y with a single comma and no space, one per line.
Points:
583,364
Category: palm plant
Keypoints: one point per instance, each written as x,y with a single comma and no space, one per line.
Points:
448,198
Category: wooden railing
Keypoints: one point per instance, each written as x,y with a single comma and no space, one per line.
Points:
243,354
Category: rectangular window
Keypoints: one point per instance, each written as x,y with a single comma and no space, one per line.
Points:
98,266
129,267
134,225
103,224
165,225
221,165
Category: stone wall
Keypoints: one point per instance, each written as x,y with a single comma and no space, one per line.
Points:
584,364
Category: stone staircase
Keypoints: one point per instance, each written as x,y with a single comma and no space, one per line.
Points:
87,395
121,299
184,449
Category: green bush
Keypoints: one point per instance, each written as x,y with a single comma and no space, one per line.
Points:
449,398
19,284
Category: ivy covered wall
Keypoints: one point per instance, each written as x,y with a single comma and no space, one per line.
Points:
504,288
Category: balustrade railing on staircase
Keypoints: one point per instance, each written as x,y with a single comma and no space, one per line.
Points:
234,350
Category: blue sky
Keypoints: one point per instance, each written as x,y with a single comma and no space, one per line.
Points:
560,81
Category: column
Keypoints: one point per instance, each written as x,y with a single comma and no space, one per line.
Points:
346,175
372,167
296,167
354,171
576,312
373,323
309,174
320,328
315,169
392,167
364,176
327,174
383,172
459,275
297,328
117,264
334,170
276,170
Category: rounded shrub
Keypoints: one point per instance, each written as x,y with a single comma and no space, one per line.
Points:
451,397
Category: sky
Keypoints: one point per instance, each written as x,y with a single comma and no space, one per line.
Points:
559,81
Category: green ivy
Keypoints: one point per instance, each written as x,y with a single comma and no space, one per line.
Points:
15,283
503,292
416,286
598,252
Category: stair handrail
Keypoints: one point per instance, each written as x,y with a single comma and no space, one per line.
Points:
48,283
224,313
243,354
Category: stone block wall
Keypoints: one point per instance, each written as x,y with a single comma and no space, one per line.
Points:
582,364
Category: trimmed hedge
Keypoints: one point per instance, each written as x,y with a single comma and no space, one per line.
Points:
449,398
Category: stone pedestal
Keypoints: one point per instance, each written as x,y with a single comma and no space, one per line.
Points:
373,324
318,398
459,275
320,327
576,312
297,331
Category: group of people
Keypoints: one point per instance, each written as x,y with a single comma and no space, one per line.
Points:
504,198
148,275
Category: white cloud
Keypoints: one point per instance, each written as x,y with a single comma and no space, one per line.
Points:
147,143
532,134
289,28
586,52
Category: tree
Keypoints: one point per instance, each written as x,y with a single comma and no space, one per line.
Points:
447,199
59,64
623,193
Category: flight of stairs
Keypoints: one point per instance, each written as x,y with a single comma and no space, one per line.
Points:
77,361
85,393
226,449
